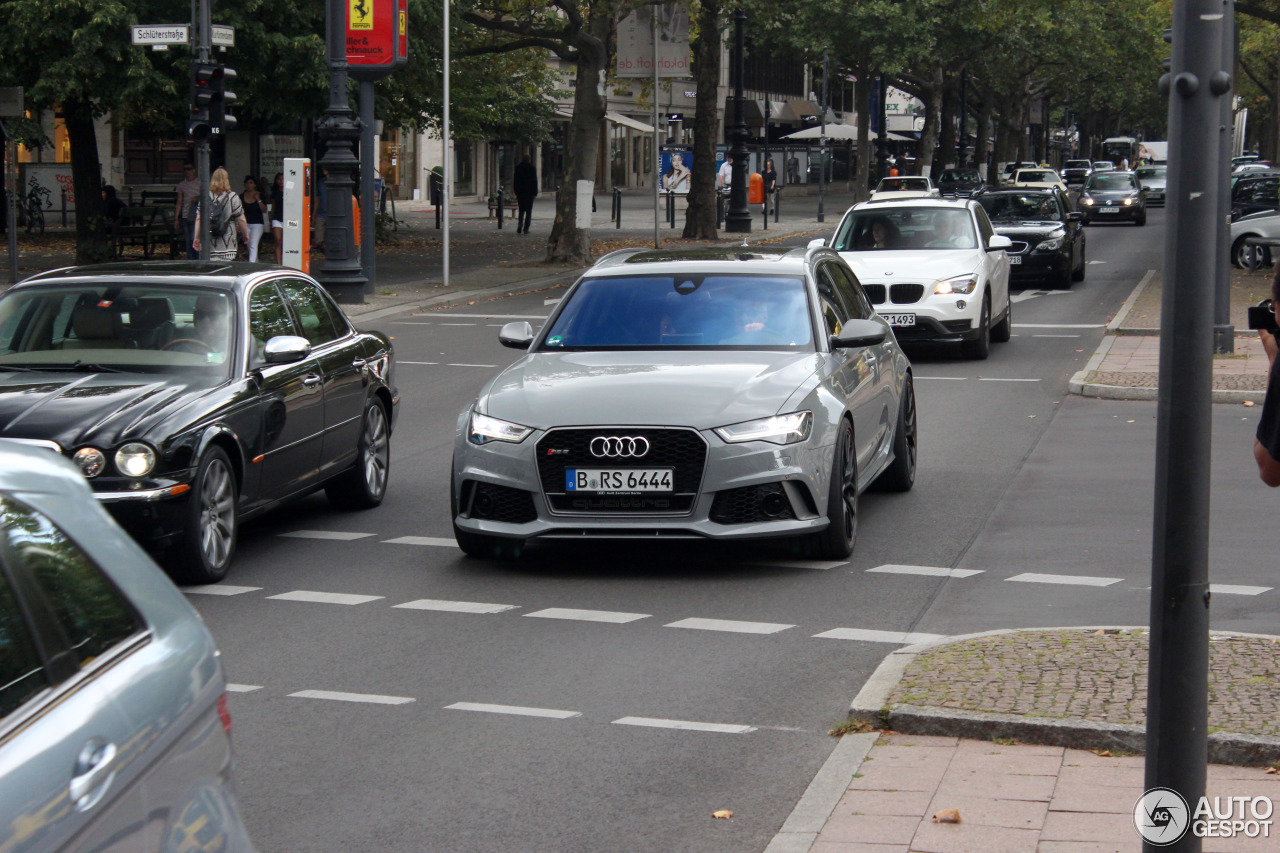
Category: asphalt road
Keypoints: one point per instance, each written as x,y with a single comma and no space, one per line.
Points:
610,696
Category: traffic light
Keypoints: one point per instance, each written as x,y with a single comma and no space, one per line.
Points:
202,95
223,97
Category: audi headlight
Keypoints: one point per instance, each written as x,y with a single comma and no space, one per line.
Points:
90,460
959,284
485,429
1053,244
135,460
779,429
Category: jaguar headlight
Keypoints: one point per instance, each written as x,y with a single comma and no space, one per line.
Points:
90,460
485,429
779,429
135,460
959,284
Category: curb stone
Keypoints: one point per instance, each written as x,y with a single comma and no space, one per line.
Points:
871,706
414,304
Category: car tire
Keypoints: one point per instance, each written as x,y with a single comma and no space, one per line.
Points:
836,541
980,347
1078,274
211,524
479,545
1248,257
1140,219
1063,281
1001,332
900,476
364,485
1085,221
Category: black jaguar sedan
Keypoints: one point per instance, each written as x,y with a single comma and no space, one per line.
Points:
1048,240
193,395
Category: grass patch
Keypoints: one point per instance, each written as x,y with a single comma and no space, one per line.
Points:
851,727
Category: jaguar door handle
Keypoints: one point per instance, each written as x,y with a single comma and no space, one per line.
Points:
311,381
359,363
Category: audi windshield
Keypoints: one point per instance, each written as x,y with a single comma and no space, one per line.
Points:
686,312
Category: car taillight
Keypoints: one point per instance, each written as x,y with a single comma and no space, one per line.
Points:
224,714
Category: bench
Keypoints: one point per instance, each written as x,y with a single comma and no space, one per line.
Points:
508,204
144,227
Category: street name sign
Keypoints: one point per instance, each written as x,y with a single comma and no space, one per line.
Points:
161,34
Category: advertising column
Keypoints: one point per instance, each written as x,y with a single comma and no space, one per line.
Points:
297,213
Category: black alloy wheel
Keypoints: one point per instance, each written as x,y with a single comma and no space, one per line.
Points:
900,476
209,537
364,485
836,541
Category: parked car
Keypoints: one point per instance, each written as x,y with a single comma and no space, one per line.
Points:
1251,166
1256,192
113,707
1048,240
1039,179
959,183
1154,180
1076,171
195,395
1006,174
1113,196
1245,158
720,393
934,268
1263,225
904,187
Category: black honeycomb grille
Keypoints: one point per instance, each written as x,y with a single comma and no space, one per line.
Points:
748,504
491,502
681,450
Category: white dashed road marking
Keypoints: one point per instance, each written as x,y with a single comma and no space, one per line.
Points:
369,698
428,363
422,540
324,597
334,535
1235,589
455,606
931,571
730,625
512,709
1059,325
869,636
948,378
587,615
243,688
1055,336
652,722
471,365
1003,379
220,589
1069,580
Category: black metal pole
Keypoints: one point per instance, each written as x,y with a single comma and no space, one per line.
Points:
340,272
204,31
1224,332
368,157
738,217
822,144
1178,668
764,163
964,106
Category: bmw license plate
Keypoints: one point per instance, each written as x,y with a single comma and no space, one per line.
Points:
1015,259
1108,210
900,319
617,479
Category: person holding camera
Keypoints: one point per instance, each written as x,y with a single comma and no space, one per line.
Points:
1266,444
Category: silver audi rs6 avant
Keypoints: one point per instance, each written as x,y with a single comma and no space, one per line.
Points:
729,393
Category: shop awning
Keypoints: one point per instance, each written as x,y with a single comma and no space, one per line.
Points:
797,110
616,118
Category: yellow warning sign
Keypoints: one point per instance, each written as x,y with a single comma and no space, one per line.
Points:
360,16
403,18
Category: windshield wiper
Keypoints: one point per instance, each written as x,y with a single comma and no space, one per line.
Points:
19,368
90,367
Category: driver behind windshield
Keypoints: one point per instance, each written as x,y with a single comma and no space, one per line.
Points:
211,329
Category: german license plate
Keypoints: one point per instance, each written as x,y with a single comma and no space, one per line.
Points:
1015,259
900,319
1108,210
617,479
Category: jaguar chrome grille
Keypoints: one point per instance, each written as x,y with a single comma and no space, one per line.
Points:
682,450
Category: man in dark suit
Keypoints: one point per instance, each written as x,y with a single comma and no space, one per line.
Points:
525,184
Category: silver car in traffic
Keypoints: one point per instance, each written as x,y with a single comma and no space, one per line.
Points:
726,393
114,730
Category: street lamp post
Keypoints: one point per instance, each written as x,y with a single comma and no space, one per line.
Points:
738,217
340,273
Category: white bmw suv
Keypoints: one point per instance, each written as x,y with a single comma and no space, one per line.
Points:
934,268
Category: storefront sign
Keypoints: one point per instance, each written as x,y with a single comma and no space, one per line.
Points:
635,42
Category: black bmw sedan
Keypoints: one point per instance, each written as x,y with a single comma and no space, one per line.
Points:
193,395
1048,240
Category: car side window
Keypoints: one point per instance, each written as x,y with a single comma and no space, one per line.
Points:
313,311
268,318
847,286
985,230
92,613
828,290
21,672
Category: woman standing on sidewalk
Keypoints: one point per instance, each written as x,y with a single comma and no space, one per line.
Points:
254,209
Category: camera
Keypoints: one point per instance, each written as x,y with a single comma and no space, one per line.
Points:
1263,316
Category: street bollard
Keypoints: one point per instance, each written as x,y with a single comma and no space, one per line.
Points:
777,203
671,209
64,206
500,207
617,208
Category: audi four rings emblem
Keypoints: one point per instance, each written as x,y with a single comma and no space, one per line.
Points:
619,446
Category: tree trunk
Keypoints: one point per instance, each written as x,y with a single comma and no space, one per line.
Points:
86,182
862,97
570,240
980,137
700,214
932,108
947,151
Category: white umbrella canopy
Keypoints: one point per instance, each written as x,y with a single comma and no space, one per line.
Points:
834,131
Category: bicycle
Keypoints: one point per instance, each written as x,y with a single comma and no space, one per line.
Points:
32,206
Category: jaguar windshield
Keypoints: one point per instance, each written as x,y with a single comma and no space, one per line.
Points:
136,328
697,311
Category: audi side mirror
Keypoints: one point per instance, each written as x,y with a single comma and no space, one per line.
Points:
516,335
859,333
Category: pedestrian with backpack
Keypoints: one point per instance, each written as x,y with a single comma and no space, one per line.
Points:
226,218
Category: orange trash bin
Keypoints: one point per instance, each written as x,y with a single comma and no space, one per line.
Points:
755,190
